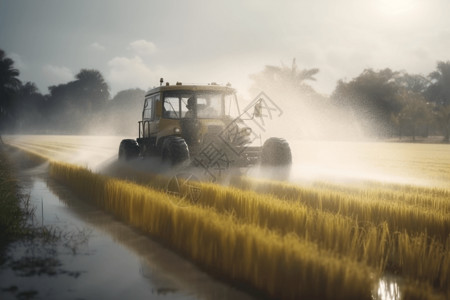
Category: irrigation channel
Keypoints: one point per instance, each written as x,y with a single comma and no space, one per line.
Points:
106,258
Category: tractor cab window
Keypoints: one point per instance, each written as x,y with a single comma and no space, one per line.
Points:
209,105
175,104
172,107
198,104
147,113
231,107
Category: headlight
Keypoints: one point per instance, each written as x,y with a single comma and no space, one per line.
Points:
247,131
177,130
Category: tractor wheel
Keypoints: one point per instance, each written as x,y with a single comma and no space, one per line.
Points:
276,153
128,149
175,150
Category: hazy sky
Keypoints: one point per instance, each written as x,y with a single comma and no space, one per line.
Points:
135,42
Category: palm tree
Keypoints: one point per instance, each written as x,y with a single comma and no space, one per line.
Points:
284,77
92,88
9,84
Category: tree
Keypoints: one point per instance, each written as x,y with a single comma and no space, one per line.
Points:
373,98
285,78
9,84
439,89
438,93
128,98
124,110
413,83
415,115
92,89
74,106
28,108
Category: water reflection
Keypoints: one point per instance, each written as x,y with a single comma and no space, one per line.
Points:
387,289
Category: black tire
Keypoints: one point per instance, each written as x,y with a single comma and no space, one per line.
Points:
128,149
175,150
276,152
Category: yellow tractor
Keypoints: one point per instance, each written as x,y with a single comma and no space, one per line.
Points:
201,125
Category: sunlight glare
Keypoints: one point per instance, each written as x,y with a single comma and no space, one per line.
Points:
388,290
396,7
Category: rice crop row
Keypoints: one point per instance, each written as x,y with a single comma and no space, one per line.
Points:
399,216
282,266
124,171
41,151
371,243
425,197
53,146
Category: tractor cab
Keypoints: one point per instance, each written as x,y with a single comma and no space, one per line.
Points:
194,113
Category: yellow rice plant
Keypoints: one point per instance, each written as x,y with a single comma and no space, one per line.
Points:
33,156
123,170
334,232
282,266
43,150
400,217
421,291
40,152
372,243
426,197
412,254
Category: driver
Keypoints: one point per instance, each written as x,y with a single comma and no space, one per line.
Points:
190,106
203,110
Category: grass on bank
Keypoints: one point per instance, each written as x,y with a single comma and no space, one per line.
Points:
13,215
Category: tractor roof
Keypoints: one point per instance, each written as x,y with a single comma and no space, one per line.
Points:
179,87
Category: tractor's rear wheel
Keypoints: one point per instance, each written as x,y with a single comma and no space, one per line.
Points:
128,149
276,152
175,150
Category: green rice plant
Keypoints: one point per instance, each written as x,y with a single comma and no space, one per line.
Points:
284,267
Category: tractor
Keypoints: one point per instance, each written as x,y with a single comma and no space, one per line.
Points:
201,125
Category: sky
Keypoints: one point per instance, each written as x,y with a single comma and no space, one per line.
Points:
134,43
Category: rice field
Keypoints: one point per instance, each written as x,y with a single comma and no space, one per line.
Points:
320,239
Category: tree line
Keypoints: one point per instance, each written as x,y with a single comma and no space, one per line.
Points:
81,106
382,103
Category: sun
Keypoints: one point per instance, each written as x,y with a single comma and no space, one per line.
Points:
396,7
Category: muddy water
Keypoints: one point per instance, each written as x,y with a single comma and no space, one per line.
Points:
97,257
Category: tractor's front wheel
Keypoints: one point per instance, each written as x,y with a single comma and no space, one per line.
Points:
276,152
175,150
128,149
